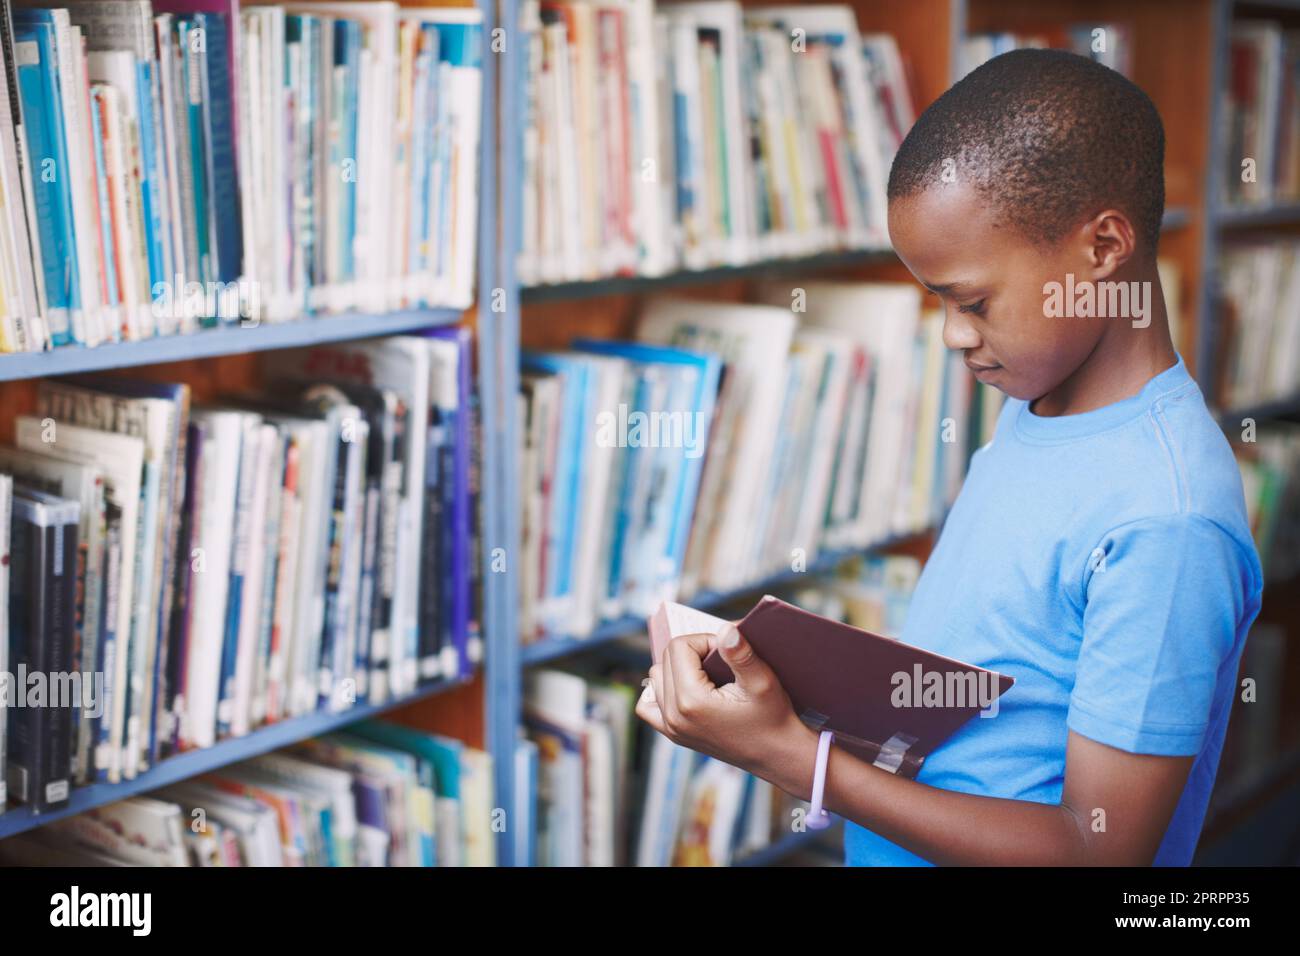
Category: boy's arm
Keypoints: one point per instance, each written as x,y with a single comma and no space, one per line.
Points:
1114,809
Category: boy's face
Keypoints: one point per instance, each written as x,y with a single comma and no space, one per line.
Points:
990,279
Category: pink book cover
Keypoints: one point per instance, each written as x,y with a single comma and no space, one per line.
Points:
887,702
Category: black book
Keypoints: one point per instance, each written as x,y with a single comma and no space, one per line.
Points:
42,603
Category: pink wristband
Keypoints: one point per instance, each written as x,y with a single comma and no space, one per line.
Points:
819,819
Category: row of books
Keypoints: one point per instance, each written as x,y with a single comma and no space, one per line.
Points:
1260,351
731,442
1261,114
377,794
1270,477
610,791
192,573
1109,43
689,135
176,165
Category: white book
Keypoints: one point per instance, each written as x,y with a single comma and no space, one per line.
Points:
883,317
650,178
754,342
24,299
265,437
122,459
724,16
559,701
213,542
838,353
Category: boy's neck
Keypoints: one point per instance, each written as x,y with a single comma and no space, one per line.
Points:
1123,361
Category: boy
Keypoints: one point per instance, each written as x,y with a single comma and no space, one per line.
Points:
1098,552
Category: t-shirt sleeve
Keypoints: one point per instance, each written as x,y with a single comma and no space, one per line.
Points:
1164,598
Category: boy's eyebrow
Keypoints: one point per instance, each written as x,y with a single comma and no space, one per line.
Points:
948,288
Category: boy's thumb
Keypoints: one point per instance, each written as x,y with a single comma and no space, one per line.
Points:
736,651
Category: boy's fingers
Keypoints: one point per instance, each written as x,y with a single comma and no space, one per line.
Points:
647,708
657,682
685,656
740,656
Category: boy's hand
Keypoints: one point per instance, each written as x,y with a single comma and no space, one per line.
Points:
748,723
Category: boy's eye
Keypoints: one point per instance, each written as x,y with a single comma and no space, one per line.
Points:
973,308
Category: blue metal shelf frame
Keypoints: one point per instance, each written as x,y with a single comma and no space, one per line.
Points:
195,762
210,343
499,320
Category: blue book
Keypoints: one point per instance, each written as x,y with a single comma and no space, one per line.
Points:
698,399
219,136
568,477
36,59
457,547
192,96
151,196
628,469
347,57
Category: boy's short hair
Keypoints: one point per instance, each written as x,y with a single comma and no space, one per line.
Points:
1047,136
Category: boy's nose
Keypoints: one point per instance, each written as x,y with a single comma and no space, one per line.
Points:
959,334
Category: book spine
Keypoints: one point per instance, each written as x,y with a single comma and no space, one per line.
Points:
105,749
59,594
220,139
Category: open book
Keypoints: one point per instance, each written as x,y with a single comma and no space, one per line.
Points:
887,702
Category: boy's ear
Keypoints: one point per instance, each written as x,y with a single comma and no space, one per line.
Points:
1110,241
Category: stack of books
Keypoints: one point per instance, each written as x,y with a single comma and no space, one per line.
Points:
177,165
180,574
1260,350
734,442
691,135
375,795
610,791
1262,115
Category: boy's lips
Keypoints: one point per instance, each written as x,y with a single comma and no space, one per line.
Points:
977,367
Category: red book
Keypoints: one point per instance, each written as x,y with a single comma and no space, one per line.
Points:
887,702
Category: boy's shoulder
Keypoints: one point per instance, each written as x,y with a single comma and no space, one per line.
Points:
1159,456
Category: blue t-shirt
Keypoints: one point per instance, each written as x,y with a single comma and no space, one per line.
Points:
1104,561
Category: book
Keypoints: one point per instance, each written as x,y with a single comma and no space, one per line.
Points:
42,595
887,702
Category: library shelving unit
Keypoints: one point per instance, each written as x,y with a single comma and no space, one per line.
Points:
1180,60
226,356
551,320
1226,219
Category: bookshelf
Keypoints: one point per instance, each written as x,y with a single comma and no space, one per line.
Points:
196,762
217,358
1182,63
